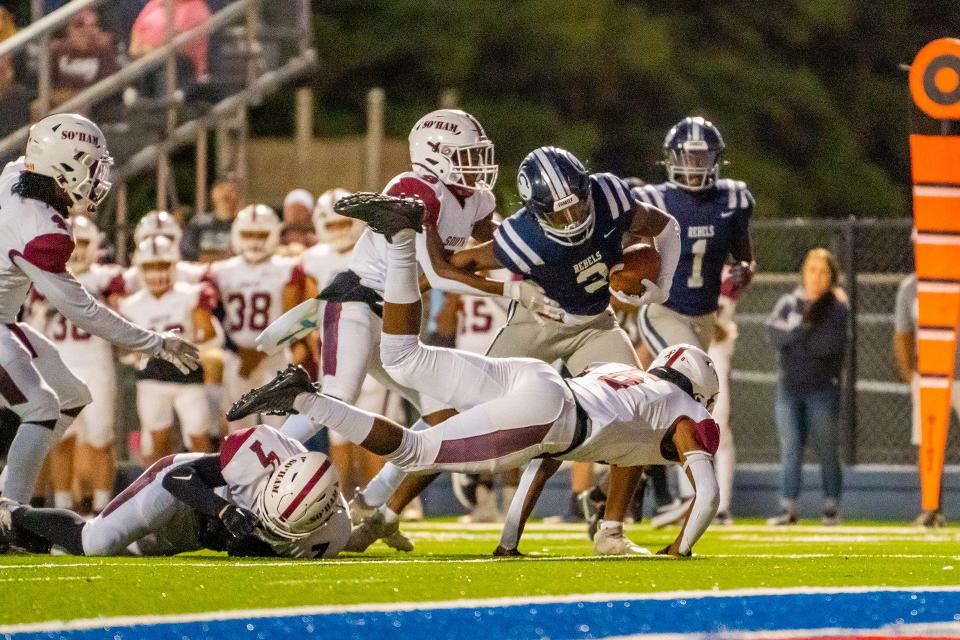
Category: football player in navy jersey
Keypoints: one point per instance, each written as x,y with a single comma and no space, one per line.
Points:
714,216
569,234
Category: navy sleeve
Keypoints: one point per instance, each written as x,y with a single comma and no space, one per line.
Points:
513,247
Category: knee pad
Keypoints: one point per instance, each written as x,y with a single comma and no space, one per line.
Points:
396,350
42,406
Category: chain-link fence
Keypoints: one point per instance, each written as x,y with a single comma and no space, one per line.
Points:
875,255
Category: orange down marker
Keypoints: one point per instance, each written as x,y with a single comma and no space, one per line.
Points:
935,160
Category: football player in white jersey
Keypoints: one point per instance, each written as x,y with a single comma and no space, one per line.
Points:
515,411
86,449
256,287
163,392
65,170
160,223
453,173
262,494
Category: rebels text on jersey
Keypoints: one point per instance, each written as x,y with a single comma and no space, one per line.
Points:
30,230
631,412
711,223
576,277
252,294
453,216
249,456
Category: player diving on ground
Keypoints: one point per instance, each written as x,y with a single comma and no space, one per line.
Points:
514,410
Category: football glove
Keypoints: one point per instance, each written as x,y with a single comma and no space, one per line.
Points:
182,354
532,297
239,522
652,293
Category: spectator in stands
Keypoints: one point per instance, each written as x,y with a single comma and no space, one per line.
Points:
14,99
8,25
905,353
298,220
207,237
149,31
809,328
82,58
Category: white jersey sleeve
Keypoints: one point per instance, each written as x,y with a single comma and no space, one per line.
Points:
249,456
631,411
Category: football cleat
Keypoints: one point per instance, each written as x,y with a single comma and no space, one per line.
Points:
722,518
7,506
782,519
276,397
384,214
612,542
930,519
374,528
831,518
360,510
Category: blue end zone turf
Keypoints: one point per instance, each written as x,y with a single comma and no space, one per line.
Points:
867,610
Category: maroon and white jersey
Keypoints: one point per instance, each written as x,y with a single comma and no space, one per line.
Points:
171,311
252,294
32,230
78,348
453,217
479,321
630,412
249,456
322,262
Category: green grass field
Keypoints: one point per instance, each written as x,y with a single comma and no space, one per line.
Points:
452,562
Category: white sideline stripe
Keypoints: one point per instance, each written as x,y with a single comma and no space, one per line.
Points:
50,578
941,629
207,616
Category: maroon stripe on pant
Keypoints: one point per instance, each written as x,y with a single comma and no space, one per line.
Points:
9,389
492,445
331,327
22,337
138,485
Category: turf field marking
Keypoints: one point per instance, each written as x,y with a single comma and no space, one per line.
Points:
51,578
681,597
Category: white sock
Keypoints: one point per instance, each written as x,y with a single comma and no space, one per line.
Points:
352,423
725,462
403,281
385,483
62,500
389,515
684,488
300,427
27,451
101,498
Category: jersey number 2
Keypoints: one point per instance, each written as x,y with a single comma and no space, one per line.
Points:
593,277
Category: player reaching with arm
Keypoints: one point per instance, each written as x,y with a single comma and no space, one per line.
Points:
568,236
65,169
515,409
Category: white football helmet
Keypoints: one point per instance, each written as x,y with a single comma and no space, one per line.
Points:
451,144
696,366
157,223
86,239
255,233
300,508
73,151
156,259
332,228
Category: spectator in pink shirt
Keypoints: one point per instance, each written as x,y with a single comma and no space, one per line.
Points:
149,30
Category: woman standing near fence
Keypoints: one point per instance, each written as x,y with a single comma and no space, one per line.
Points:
809,328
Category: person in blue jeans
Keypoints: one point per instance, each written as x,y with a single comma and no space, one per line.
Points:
809,328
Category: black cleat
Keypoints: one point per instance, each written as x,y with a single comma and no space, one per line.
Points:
382,213
276,397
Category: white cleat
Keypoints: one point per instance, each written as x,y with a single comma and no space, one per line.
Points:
374,528
360,510
612,542
7,507
485,510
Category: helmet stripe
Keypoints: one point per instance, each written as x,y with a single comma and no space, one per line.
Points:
695,132
676,356
306,489
557,185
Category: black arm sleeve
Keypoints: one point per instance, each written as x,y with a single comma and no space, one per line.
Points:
193,483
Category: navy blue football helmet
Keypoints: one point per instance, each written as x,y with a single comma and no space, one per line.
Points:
693,153
555,187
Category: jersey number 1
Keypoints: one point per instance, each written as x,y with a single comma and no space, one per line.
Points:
695,281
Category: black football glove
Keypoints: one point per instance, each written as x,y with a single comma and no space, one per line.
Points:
239,522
